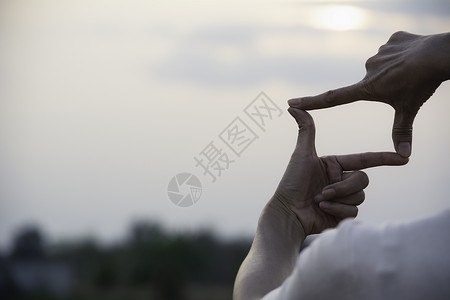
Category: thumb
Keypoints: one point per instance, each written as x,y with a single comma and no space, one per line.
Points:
306,132
402,132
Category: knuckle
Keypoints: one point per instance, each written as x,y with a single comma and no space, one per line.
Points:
362,179
402,132
355,211
333,169
370,62
383,48
398,35
363,160
331,162
330,97
361,196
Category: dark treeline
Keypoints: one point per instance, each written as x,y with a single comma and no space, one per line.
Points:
152,263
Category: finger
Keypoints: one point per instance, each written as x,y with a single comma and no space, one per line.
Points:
402,132
331,98
306,132
354,199
340,211
360,161
351,184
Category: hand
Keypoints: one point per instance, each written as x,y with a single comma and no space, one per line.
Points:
320,191
404,73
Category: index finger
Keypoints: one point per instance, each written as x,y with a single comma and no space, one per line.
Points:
332,98
351,162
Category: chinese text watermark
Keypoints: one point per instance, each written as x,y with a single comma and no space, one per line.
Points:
221,153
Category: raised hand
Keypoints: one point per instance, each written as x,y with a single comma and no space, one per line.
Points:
323,191
314,194
404,73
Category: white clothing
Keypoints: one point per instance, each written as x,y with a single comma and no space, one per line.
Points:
356,261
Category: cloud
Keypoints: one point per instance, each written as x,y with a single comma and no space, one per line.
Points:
242,55
416,7
256,70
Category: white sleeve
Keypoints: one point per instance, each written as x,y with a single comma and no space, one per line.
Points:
392,261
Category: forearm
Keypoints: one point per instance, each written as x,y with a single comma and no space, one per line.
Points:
273,254
440,45
446,50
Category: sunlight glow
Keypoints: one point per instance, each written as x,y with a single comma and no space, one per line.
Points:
338,17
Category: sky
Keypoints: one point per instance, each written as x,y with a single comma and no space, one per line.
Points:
102,103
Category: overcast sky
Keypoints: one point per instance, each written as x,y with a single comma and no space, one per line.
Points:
103,102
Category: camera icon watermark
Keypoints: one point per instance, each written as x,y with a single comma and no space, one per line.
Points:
184,189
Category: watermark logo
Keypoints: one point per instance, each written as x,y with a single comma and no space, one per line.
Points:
218,156
238,136
184,189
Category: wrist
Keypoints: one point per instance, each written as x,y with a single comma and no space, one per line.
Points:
446,49
441,46
291,221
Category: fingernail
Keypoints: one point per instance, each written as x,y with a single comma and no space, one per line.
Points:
319,198
324,205
329,194
404,149
295,101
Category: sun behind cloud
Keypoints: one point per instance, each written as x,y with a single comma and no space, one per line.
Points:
338,17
